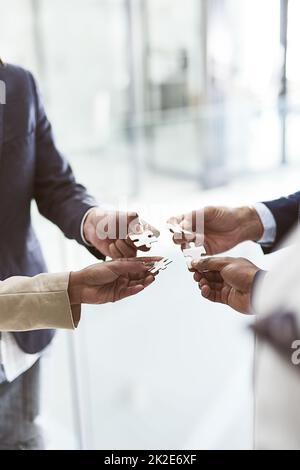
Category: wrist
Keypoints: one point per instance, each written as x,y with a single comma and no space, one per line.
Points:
250,223
75,287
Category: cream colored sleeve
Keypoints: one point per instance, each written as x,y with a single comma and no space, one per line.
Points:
32,303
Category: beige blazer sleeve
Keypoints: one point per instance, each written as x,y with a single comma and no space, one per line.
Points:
39,302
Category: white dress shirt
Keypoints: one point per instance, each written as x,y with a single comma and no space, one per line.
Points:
269,224
14,361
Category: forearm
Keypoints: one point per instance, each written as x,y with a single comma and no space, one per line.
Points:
58,195
60,199
40,302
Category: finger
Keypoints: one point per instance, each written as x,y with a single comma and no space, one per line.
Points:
150,227
225,294
212,276
211,264
214,295
140,259
176,219
197,276
217,295
216,286
210,294
209,276
126,250
128,268
206,291
139,276
145,281
203,282
130,243
140,282
144,248
129,291
149,280
114,252
183,239
179,237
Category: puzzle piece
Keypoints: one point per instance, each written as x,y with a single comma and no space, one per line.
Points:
176,228
147,238
193,253
160,265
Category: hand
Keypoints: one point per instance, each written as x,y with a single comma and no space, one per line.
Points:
108,232
226,280
110,281
223,227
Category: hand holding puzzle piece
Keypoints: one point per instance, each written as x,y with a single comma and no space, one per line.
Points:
193,252
147,238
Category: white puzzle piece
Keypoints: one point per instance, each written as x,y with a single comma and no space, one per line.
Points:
147,238
160,265
193,253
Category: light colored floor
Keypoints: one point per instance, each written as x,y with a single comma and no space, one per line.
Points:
166,369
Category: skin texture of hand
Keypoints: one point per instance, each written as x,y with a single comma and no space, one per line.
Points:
110,281
226,280
108,232
224,227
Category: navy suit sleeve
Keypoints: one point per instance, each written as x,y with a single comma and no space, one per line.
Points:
58,196
286,213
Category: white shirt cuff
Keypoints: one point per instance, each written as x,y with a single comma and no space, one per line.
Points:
269,223
82,225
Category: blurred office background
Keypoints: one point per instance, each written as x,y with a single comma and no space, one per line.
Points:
164,106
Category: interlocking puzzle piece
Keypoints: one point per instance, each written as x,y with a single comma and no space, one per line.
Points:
176,228
193,253
160,265
147,238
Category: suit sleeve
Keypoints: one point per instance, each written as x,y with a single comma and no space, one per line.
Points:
286,214
40,302
58,196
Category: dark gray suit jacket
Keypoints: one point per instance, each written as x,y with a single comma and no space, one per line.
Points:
31,167
286,212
